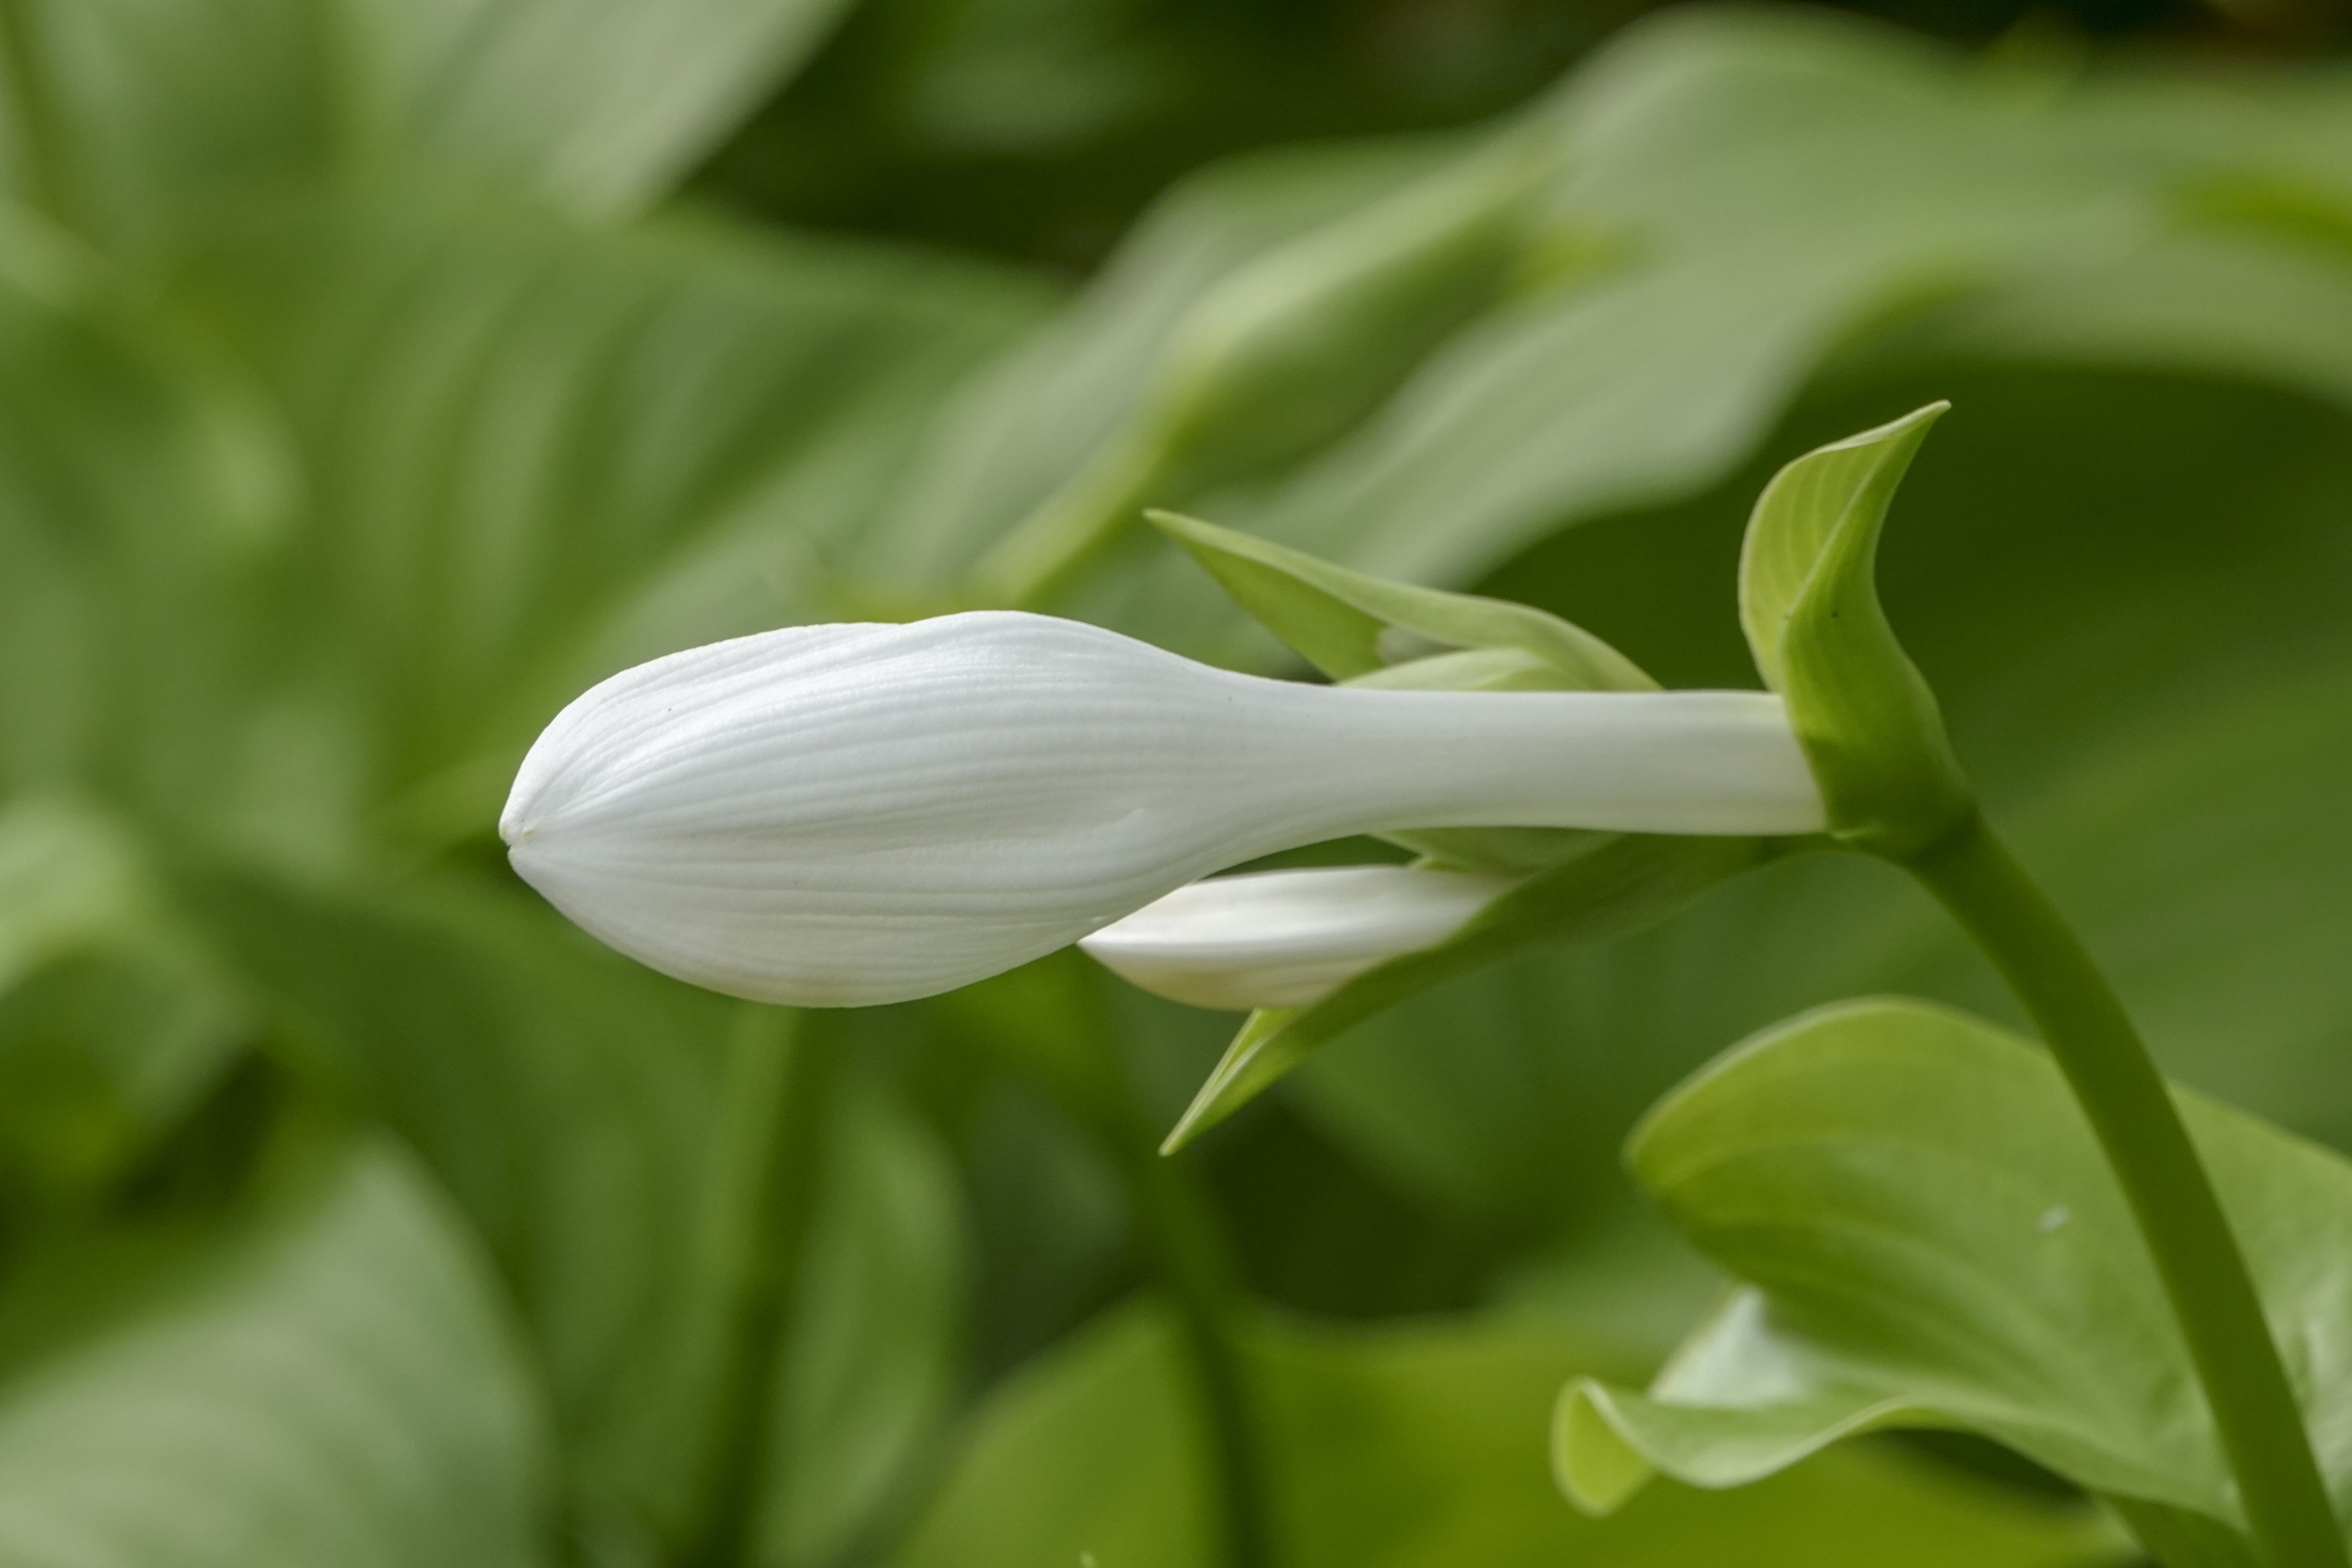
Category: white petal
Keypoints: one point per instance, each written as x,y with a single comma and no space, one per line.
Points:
846,814
1284,939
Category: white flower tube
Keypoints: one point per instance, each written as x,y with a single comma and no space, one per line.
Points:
838,815
1286,939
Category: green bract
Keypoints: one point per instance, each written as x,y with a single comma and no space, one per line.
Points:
1809,603
1932,1239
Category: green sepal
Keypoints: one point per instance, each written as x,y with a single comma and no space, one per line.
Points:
1929,1236
1626,882
1367,631
1808,603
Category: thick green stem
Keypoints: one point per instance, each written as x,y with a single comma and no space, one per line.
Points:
2204,1273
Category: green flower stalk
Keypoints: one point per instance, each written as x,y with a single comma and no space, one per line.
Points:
1892,787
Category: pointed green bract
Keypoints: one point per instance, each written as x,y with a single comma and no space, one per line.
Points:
1629,882
1808,603
1931,1239
1350,625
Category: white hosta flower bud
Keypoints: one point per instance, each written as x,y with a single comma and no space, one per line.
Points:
838,815
1286,939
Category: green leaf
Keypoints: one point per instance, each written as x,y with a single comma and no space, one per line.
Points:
1409,1447
1775,191
601,107
1288,351
139,495
868,1377
1933,1240
1350,625
1795,183
1630,881
1809,603
535,456
602,1128
333,1384
141,124
1025,425
111,1025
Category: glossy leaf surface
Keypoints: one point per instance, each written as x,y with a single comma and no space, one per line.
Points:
1932,1239
333,1385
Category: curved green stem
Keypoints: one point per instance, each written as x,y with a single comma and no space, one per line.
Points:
2213,1296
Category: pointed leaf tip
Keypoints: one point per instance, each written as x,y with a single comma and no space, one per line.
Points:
1247,1069
1809,603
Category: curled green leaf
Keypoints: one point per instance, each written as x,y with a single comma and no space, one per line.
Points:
1808,603
1930,1239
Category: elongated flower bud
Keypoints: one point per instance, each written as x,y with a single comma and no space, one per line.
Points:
1284,938
838,815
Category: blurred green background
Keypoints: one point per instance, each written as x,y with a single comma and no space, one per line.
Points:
375,375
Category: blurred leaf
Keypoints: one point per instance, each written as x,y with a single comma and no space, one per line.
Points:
140,123
1630,881
1022,426
1936,1240
604,1129
138,497
1286,352
111,1027
68,878
600,106
1398,1447
335,1385
1749,194
1790,180
2222,304
535,459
